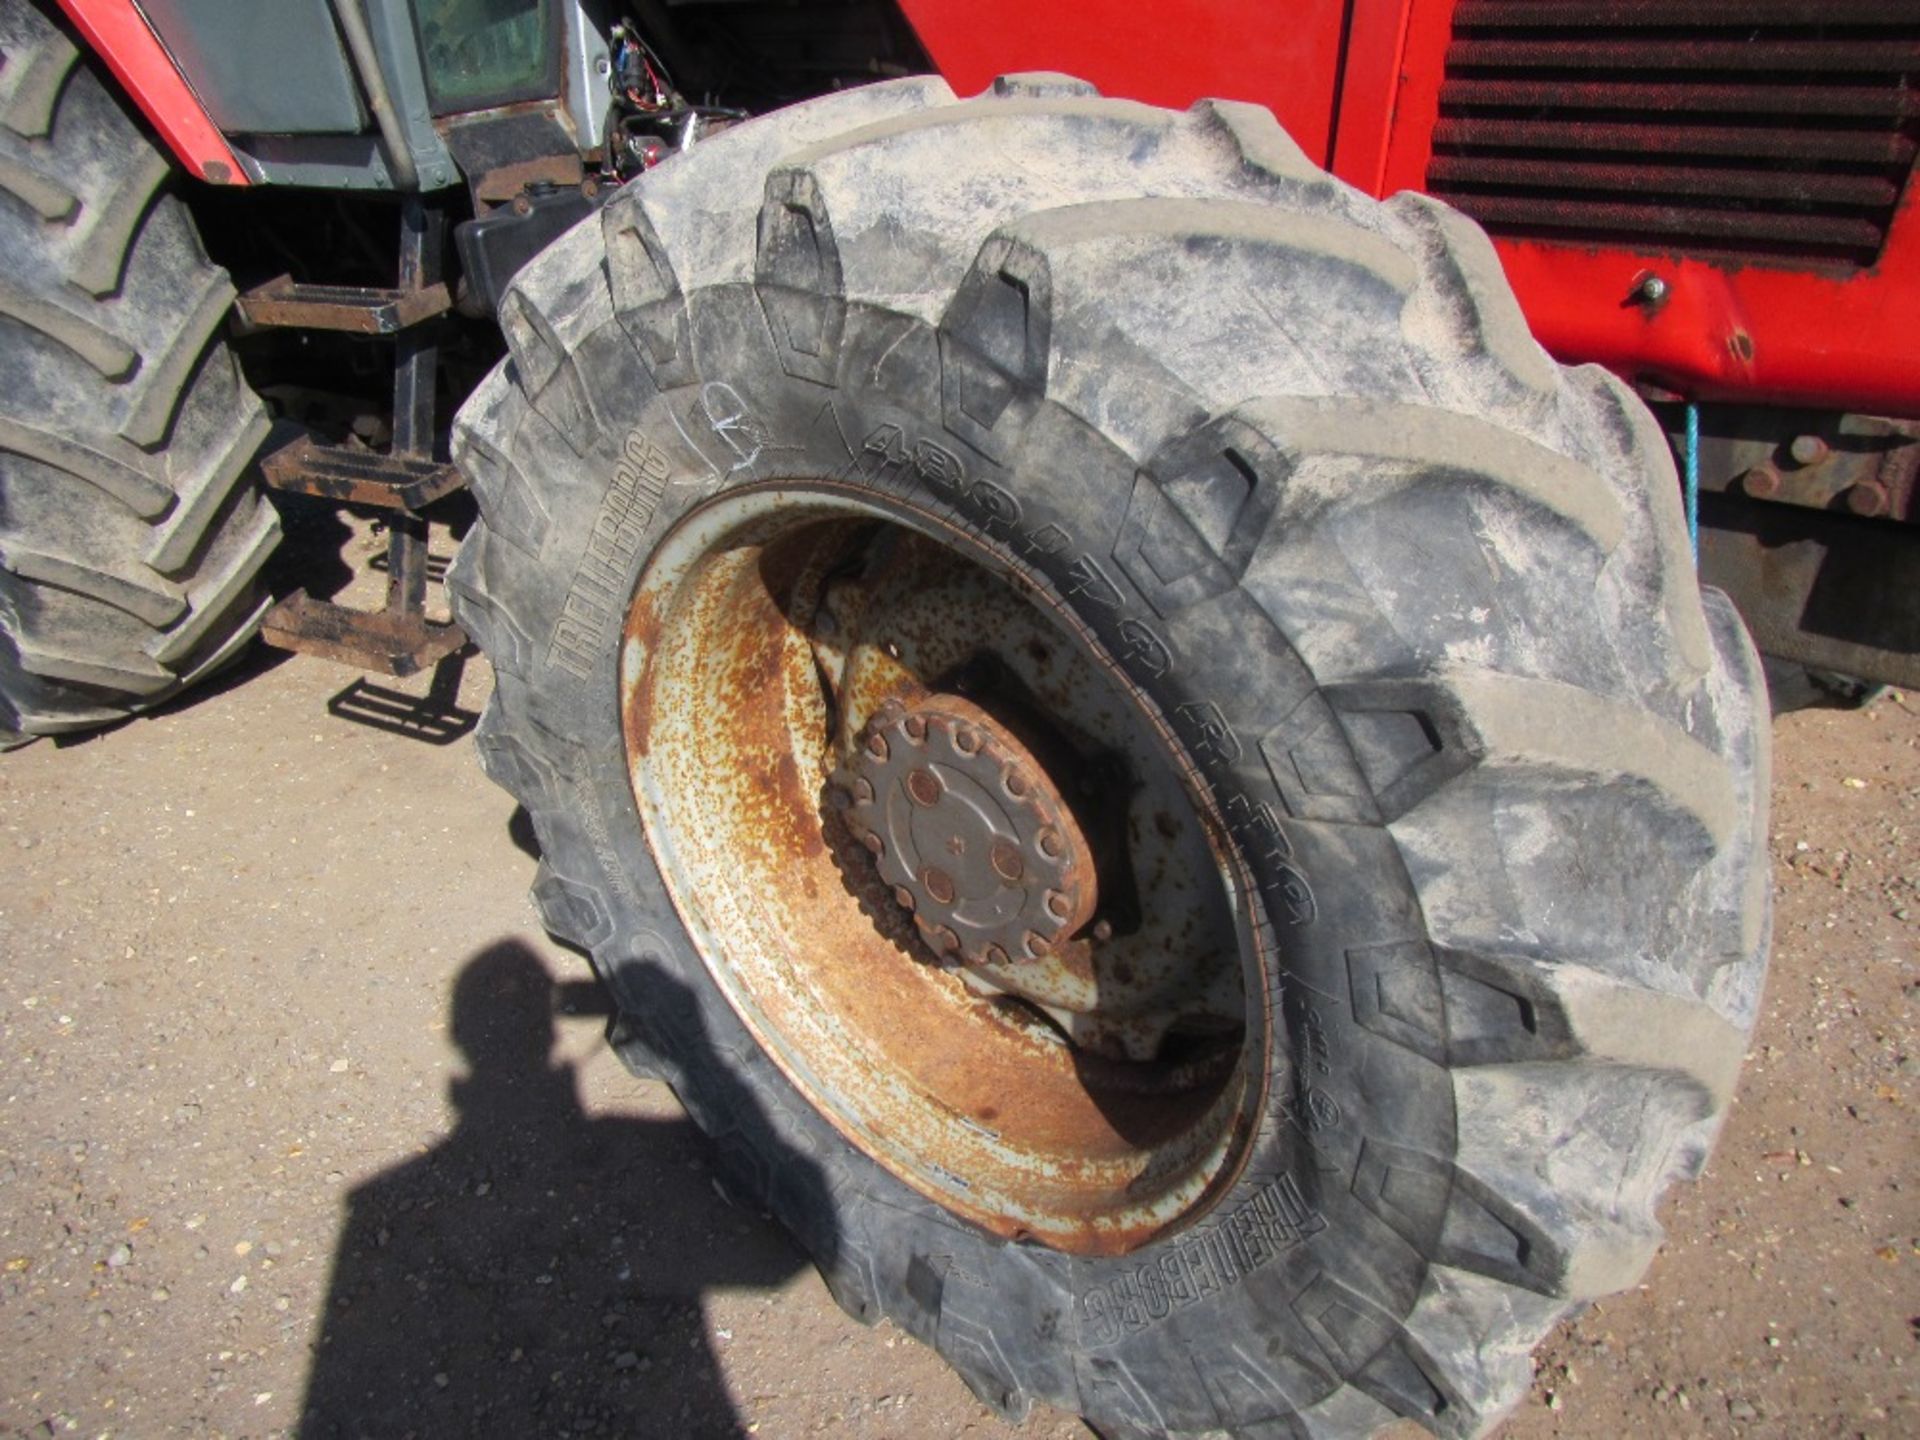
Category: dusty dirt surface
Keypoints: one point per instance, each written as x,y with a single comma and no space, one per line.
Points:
306,1127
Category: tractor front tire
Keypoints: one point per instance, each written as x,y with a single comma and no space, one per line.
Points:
131,532
1404,609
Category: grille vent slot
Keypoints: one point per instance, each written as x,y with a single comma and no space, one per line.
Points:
1774,130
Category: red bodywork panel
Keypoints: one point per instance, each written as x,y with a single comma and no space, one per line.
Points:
120,35
1170,53
1357,83
1730,330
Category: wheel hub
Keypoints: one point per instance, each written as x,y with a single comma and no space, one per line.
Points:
968,830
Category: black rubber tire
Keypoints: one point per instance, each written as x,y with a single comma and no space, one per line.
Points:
132,533
1418,600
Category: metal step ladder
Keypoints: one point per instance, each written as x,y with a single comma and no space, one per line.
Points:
402,481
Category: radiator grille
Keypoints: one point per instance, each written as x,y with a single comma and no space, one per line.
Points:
1776,130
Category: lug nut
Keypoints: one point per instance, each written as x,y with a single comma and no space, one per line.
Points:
1038,944
995,956
874,843
904,897
1057,904
1049,843
1868,498
1015,782
1006,861
965,740
1807,449
1762,482
916,727
877,746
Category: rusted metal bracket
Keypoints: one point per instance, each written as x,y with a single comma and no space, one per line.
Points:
358,477
398,639
286,302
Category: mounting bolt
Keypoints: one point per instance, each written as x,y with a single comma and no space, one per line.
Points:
1869,497
1652,291
1807,449
924,787
1103,929
1006,861
1762,482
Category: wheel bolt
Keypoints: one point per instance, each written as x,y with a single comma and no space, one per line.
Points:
874,843
1057,904
877,746
1808,449
904,897
916,727
1006,861
1038,944
996,956
1867,498
1049,843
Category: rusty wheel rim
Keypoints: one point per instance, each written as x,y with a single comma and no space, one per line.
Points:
832,708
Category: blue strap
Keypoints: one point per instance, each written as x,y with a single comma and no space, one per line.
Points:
1693,480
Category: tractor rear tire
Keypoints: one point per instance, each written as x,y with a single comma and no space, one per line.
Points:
1411,603
132,533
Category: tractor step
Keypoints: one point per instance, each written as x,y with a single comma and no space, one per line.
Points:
358,477
386,641
286,302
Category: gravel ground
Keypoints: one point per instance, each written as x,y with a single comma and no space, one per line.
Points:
307,1127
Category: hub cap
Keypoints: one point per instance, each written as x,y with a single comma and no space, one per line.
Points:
941,860
969,831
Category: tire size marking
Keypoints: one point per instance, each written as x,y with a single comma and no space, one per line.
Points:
1211,1260
889,453
597,594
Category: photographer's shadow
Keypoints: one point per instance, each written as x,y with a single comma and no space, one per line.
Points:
539,1271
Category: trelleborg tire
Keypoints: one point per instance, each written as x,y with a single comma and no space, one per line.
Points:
1409,606
131,533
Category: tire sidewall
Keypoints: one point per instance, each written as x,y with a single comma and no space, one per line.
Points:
1292,1251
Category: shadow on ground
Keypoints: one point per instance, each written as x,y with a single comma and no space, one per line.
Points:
539,1271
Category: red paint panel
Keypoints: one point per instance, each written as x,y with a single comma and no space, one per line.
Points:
1730,330
1171,53
1369,90
119,33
